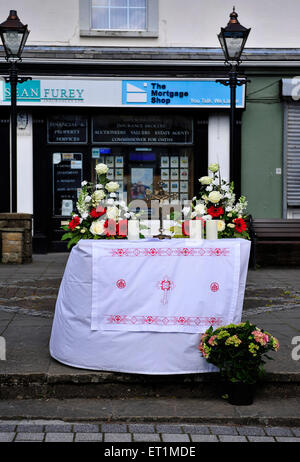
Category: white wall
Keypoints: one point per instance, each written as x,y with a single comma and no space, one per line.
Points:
218,142
25,169
189,23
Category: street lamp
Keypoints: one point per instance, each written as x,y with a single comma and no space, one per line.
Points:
233,38
13,35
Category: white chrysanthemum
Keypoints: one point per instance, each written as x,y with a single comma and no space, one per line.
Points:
101,169
200,209
97,227
112,186
215,197
213,168
205,180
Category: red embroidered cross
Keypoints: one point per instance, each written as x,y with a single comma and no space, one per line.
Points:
165,285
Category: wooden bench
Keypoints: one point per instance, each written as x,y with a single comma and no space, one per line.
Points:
275,231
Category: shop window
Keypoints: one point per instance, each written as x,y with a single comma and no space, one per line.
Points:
128,18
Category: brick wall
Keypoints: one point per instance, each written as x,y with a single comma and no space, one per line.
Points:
16,237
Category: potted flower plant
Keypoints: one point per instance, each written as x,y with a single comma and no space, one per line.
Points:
238,350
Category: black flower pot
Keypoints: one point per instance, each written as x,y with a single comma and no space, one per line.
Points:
241,394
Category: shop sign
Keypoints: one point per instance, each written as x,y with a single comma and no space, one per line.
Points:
123,93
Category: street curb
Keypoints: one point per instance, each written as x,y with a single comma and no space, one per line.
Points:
112,385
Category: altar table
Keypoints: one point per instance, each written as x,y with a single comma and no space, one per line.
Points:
141,306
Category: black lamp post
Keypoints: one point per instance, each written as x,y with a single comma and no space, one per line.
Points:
233,38
13,35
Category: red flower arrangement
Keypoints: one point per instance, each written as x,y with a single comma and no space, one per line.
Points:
240,225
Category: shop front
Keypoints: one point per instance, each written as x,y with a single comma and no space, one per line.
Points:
146,131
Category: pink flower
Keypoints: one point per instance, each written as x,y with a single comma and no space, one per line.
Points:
212,341
260,337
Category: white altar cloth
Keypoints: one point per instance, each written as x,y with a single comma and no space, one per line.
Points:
176,286
74,343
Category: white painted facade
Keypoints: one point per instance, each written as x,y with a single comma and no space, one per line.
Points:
192,23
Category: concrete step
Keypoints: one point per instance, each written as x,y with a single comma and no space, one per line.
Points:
267,411
111,385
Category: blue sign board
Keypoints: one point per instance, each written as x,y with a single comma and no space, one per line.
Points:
166,93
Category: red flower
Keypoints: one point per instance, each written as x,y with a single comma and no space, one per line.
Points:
110,227
215,212
74,222
240,225
98,212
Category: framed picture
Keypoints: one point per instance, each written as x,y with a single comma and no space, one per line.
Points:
164,173
184,186
164,161
174,186
174,162
184,173
174,174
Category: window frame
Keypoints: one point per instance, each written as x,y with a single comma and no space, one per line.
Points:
85,8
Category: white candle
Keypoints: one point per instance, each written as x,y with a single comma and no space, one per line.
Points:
133,230
212,229
195,229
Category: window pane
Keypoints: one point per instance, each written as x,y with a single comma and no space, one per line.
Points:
100,2
137,18
100,18
118,18
122,3
139,3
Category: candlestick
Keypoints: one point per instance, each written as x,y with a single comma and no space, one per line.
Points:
212,229
195,229
133,230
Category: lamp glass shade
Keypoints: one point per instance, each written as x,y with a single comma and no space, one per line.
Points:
233,38
14,36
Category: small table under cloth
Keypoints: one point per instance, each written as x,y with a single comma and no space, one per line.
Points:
141,306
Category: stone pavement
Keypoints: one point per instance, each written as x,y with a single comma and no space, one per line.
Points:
57,392
57,431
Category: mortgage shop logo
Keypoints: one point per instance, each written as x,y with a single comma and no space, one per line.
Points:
154,93
41,91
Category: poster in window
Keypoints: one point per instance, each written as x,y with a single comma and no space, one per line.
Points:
184,161
174,186
164,162
119,174
184,174
164,173
184,186
67,178
174,162
119,161
141,180
174,174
